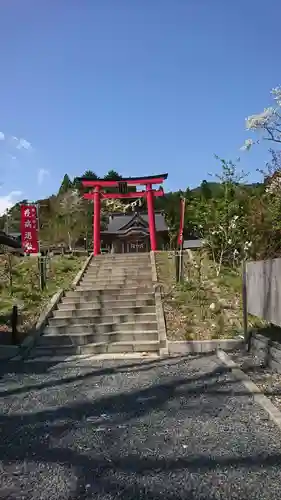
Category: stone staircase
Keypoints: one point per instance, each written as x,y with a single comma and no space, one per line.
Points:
111,311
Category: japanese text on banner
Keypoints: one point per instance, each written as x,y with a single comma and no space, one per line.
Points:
29,229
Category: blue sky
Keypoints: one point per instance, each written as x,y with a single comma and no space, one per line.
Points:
138,86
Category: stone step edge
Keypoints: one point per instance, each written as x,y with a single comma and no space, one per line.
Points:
118,312
89,357
137,316
99,344
135,297
104,292
110,324
126,332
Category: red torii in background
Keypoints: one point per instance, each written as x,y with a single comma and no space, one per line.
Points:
98,185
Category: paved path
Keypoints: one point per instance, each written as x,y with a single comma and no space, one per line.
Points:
180,429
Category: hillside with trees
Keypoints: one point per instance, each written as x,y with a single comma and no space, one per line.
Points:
235,218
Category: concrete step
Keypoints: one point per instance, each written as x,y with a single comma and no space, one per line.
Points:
99,284
107,305
96,348
113,290
117,277
107,292
96,338
132,326
112,275
122,257
119,267
120,261
101,296
85,310
101,317
118,270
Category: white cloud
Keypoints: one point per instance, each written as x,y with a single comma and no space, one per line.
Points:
2,136
41,174
6,202
23,144
12,157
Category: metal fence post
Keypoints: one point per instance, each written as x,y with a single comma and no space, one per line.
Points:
244,301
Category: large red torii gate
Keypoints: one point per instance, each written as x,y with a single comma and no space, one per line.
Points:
98,185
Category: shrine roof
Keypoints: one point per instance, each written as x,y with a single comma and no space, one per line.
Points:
9,241
120,222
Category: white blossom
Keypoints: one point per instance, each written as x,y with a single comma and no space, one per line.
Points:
274,185
260,120
276,92
247,145
247,245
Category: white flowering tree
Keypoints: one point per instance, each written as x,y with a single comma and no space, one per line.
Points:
221,221
110,205
267,123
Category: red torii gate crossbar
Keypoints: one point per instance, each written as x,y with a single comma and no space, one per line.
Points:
99,184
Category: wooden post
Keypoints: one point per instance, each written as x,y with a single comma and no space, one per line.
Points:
244,301
10,272
14,324
42,276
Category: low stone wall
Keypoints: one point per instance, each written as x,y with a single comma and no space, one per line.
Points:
266,346
183,347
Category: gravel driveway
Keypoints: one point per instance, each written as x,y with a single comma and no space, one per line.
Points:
162,430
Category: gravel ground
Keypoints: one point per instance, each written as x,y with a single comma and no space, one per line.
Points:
269,382
162,430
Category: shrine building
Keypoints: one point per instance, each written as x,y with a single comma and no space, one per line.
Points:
126,233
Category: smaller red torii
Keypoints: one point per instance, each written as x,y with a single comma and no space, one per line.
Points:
99,184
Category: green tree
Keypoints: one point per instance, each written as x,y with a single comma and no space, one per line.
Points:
221,221
112,175
206,192
89,174
65,185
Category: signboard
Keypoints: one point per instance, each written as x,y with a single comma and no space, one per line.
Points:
123,187
29,228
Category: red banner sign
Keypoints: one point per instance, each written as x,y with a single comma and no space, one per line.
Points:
182,212
29,229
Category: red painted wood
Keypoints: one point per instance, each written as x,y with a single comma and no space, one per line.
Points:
96,228
151,217
137,194
130,182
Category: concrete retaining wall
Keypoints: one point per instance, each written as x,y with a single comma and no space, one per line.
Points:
203,346
267,350
8,351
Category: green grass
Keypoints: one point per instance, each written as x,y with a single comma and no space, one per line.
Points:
203,306
230,279
23,289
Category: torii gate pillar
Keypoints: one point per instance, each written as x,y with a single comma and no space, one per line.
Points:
149,194
151,217
96,220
